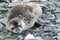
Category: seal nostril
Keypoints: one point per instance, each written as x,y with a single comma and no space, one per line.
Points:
15,24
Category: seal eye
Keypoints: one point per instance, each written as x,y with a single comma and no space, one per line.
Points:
19,25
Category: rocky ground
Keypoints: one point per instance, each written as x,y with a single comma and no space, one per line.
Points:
48,30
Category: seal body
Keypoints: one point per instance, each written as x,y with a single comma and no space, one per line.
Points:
22,16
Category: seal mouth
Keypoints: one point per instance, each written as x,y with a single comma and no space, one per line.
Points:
16,25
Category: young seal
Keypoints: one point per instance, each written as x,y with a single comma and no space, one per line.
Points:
22,16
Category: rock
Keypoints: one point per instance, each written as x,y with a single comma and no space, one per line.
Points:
47,38
43,0
11,5
58,21
54,38
39,38
43,35
58,36
4,5
1,26
2,20
1,37
58,4
50,16
1,16
20,37
0,12
29,36
10,39
57,16
57,10
20,0
3,9
15,1
4,1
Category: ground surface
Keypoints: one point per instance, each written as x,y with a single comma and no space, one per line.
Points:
49,31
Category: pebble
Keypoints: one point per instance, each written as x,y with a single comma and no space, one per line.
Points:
29,36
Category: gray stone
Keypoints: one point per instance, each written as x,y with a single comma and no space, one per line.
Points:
44,34
57,10
1,26
58,21
43,0
29,36
2,20
39,38
57,15
1,37
3,4
0,16
54,38
58,4
9,39
20,37
3,9
12,4
58,36
50,16
0,12
47,38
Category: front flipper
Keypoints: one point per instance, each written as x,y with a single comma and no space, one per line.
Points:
40,21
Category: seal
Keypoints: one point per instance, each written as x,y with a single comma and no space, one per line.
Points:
22,16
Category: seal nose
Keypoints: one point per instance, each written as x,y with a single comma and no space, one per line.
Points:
17,24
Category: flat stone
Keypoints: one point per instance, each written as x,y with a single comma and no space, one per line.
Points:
39,38
57,10
51,16
58,36
12,4
0,12
1,26
20,37
57,16
10,39
29,36
1,37
58,21
47,38
0,16
3,9
54,38
58,4
2,20
3,4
